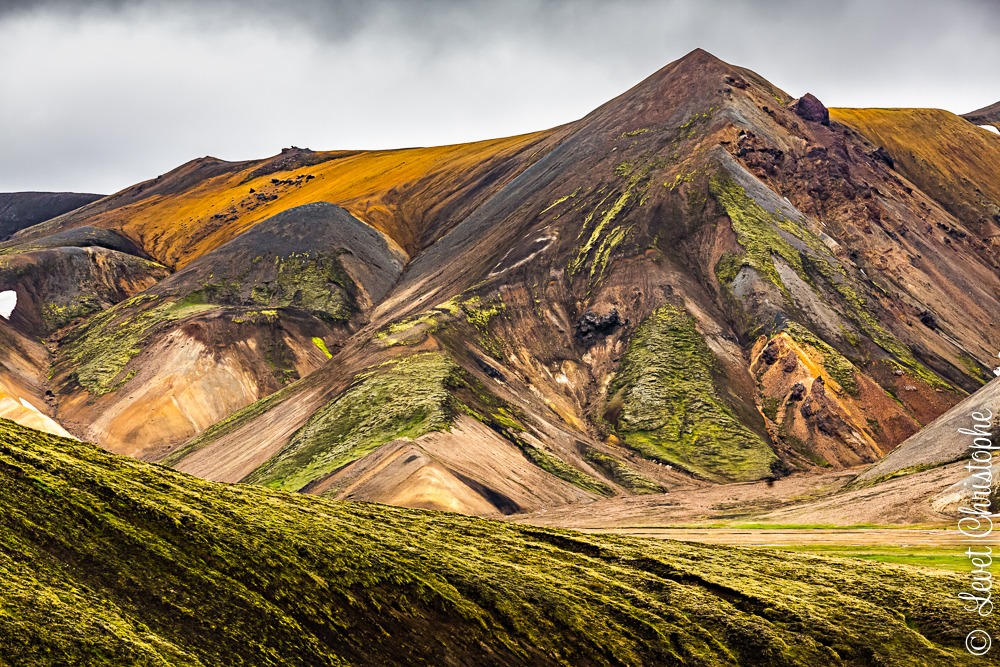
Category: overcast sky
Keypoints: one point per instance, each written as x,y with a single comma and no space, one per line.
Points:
97,95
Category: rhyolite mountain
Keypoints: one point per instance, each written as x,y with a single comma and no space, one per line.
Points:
704,278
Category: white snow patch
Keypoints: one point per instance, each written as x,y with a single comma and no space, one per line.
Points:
990,128
8,300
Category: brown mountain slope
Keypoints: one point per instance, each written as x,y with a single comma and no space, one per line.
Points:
411,195
986,116
230,328
694,278
921,482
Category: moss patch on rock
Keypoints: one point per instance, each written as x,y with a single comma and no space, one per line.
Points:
102,348
404,397
623,474
401,398
757,231
316,282
670,410
836,364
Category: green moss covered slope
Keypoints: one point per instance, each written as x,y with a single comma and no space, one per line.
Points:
665,403
110,561
401,398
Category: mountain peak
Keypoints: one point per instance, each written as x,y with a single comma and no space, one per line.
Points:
688,86
700,55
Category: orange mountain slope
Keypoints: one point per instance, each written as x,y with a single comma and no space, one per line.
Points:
196,208
946,156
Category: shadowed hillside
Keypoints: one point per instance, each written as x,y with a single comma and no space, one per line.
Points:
109,561
20,210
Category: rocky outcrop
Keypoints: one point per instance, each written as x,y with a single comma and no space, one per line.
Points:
809,108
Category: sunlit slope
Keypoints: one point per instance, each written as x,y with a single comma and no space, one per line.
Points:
109,561
407,194
945,155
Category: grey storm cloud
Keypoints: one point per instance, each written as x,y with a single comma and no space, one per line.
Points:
96,95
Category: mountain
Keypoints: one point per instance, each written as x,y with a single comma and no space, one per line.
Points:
986,116
110,561
703,281
19,210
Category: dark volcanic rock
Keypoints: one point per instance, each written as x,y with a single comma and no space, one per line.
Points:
798,391
592,326
882,155
809,108
928,320
791,363
770,353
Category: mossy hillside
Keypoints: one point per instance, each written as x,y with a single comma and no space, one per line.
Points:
69,283
756,233
412,330
476,310
669,409
475,400
621,472
598,235
55,316
110,561
102,348
404,397
312,281
836,364
556,466
974,369
316,282
480,312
